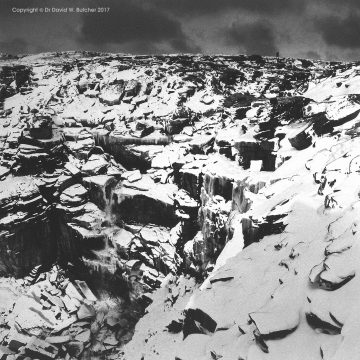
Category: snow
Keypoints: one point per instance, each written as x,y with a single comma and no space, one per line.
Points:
286,284
268,282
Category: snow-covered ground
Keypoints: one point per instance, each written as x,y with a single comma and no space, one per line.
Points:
222,190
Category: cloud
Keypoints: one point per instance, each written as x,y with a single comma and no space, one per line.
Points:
295,27
135,25
340,4
196,7
311,54
255,38
343,33
7,5
14,46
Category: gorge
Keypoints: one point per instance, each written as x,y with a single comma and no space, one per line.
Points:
178,207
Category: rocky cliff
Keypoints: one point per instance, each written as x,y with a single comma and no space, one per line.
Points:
221,190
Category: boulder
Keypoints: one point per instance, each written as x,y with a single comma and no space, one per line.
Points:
112,94
257,150
301,139
16,341
198,322
74,195
174,126
40,349
289,108
95,165
41,127
5,352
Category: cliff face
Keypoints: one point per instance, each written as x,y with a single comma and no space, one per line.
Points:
228,183
284,286
77,127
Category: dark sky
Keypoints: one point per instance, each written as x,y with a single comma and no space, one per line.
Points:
326,29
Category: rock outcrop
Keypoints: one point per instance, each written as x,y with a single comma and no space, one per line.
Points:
219,191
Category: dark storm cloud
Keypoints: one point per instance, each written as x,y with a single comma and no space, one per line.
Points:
347,4
131,22
342,32
7,5
310,28
196,7
256,38
312,55
14,46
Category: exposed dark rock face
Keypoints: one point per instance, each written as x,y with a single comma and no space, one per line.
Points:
13,78
302,138
135,205
257,150
197,322
26,233
289,108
